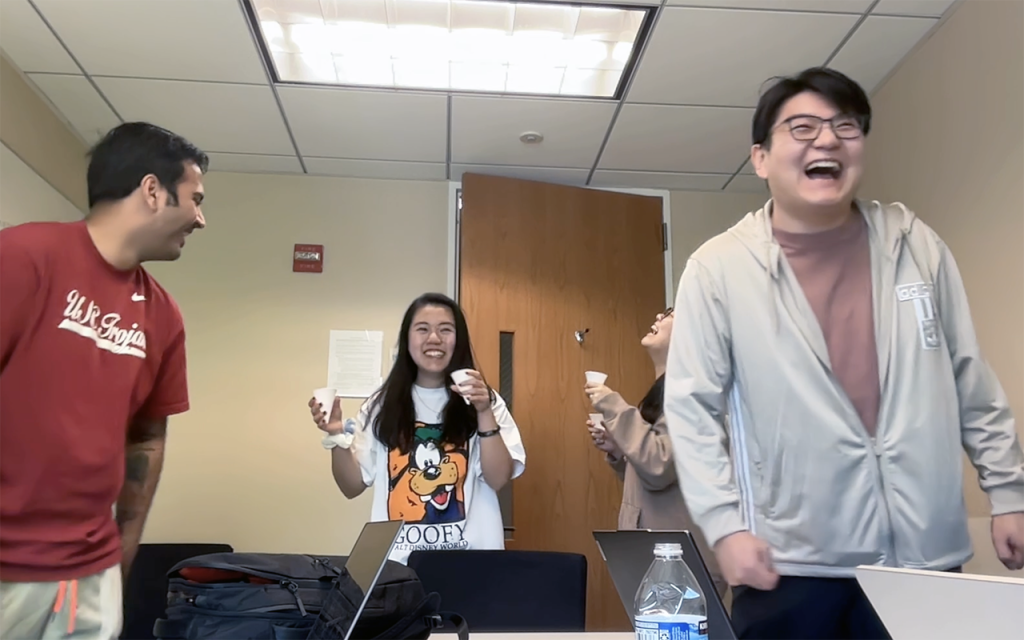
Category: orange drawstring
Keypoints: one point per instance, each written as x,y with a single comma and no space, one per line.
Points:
74,607
62,590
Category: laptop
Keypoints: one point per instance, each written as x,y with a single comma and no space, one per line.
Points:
629,554
364,564
916,604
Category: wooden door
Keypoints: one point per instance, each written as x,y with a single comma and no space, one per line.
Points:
539,262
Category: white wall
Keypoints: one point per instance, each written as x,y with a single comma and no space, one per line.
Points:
25,197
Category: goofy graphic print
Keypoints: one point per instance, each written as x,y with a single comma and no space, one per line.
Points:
427,490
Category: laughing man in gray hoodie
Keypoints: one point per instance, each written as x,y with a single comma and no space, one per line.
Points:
823,375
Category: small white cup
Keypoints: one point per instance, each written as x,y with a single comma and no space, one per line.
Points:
460,378
598,420
326,398
596,377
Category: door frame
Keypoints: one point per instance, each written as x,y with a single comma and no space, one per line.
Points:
666,219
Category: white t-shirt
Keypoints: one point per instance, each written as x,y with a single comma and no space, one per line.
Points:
438,489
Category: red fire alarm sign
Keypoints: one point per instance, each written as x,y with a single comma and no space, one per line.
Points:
308,258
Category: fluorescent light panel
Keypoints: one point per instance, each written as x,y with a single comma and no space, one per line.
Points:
452,45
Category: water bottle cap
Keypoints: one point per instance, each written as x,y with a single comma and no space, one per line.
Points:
668,549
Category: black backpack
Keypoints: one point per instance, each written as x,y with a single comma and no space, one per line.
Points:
264,596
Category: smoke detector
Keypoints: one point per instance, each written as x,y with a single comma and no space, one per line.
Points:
531,137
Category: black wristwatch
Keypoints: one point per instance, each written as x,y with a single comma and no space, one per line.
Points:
488,434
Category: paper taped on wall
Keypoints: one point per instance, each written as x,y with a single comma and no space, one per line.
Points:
354,362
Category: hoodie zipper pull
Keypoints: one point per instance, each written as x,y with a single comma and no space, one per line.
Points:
874,447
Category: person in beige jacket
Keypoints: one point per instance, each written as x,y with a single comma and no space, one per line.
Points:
636,443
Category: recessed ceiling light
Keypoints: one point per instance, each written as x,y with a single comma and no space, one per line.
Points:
494,46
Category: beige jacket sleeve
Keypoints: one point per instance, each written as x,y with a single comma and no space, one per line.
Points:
646,447
618,465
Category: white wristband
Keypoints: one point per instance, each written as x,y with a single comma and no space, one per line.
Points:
343,439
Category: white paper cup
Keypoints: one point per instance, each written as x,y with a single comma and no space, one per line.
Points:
596,377
598,420
326,398
461,377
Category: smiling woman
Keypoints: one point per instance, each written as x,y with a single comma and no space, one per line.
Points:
636,444
425,441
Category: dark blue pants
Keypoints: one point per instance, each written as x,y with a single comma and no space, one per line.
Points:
806,609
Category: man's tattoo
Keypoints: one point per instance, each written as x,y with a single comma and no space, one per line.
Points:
142,431
136,467
124,516
143,460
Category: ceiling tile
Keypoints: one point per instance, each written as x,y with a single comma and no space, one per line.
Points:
659,180
27,40
748,169
195,40
718,57
79,103
828,6
748,184
487,130
234,118
574,177
374,125
379,169
678,139
877,47
246,163
923,8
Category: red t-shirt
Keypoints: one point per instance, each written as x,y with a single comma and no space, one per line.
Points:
84,349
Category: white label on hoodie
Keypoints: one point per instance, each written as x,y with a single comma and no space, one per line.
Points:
920,294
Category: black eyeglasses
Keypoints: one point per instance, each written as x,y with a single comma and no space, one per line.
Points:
808,128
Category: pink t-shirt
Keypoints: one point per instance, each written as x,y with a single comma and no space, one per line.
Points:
834,271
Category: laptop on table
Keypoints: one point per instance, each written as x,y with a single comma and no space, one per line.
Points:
364,564
628,555
936,604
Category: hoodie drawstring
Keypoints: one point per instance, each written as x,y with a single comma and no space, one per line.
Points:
63,588
772,271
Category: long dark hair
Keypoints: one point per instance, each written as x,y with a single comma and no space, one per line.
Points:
653,404
395,421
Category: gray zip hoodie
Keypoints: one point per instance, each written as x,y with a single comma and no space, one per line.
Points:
793,464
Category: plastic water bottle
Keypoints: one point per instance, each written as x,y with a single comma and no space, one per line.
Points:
670,604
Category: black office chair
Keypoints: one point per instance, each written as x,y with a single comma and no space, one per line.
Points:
508,590
145,594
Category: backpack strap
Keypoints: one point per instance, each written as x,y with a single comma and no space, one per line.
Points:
461,628
424,619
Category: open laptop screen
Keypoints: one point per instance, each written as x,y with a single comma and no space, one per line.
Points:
934,604
364,565
370,552
629,554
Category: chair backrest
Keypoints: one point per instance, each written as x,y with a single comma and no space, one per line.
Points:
494,590
145,594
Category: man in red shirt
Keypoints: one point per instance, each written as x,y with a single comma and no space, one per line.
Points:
92,363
